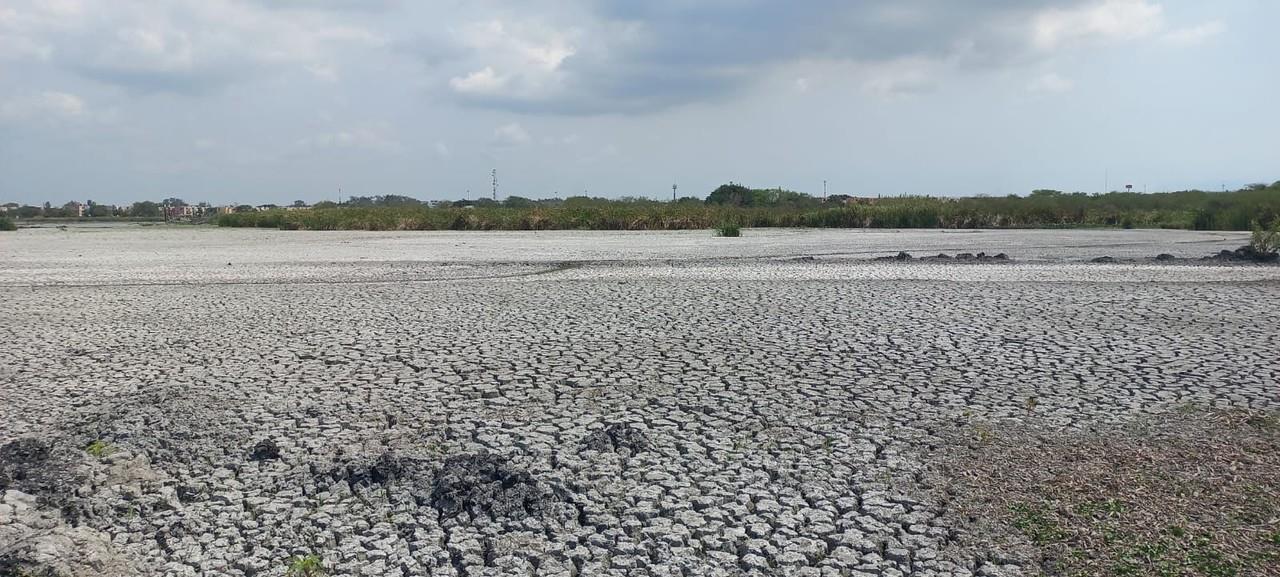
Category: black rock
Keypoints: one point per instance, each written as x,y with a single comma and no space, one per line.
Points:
265,450
1104,259
964,256
1165,256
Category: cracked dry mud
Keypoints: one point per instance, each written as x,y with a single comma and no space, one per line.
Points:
661,409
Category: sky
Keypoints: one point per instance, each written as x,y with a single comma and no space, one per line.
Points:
235,101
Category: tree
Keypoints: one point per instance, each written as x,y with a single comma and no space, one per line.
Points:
174,202
325,204
517,202
732,194
101,210
145,209
245,208
299,204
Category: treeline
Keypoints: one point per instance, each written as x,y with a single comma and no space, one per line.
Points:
748,207
91,209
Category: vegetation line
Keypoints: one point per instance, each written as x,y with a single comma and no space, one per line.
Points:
732,206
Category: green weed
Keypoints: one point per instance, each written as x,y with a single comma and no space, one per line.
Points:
306,566
99,449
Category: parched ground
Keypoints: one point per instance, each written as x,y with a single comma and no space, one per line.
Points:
221,402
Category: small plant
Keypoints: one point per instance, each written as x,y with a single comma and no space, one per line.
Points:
1265,240
1037,524
305,566
728,229
99,449
7,224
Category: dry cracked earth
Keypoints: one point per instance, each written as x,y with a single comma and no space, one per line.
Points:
214,402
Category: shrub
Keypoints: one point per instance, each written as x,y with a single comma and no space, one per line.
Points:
728,229
1265,240
7,224
305,566
99,449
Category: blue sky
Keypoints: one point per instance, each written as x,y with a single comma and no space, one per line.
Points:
276,100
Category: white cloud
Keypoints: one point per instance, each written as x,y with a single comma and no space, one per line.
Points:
523,60
323,72
483,81
510,135
1096,21
45,105
902,77
1052,83
442,150
364,138
1196,34
178,45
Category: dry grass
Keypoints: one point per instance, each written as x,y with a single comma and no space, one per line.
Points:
1192,493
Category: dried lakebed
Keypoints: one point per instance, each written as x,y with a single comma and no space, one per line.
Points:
660,406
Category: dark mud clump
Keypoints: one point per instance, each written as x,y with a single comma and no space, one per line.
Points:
265,450
37,468
15,566
488,485
619,438
1245,254
386,469
1104,259
901,256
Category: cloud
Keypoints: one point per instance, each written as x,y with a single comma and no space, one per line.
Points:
510,135
583,58
1195,35
49,105
1104,20
184,46
522,61
1051,83
899,78
484,81
375,138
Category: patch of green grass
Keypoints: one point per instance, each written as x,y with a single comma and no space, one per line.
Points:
1037,523
1274,538
99,449
728,229
306,566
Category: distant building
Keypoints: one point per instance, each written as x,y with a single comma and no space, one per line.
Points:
74,208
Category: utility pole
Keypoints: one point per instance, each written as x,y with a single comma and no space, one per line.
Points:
824,190
494,173
673,192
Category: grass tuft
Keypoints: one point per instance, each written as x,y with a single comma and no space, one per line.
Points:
99,449
728,229
305,566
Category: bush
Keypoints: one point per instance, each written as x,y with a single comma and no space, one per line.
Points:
728,229
305,566
1265,240
7,224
